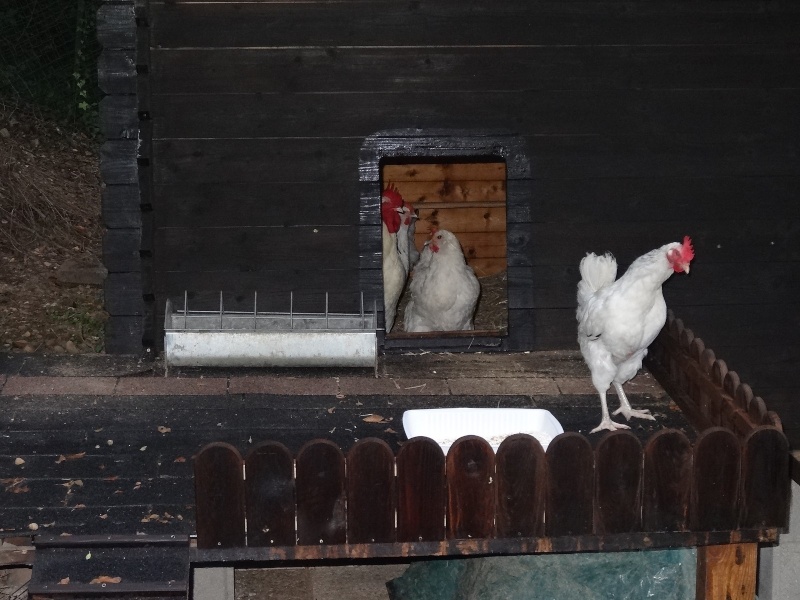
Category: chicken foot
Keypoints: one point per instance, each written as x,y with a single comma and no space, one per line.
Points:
606,422
625,408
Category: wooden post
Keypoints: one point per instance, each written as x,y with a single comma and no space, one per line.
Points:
727,572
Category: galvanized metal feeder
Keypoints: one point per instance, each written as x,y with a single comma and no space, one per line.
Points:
269,339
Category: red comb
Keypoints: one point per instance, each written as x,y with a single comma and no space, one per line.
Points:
687,252
392,194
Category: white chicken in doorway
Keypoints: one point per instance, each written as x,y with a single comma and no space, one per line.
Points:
444,289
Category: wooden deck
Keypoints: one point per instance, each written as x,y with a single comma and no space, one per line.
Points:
120,461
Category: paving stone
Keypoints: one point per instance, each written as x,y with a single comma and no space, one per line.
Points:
166,386
276,384
364,386
575,385
502,385
17,385
85,365
82,270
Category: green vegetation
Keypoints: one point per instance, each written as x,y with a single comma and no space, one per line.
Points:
48,59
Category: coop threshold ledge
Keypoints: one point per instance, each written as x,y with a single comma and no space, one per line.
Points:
478,547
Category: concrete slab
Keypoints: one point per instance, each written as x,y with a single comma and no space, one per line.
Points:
279,384
172,386
17,385
213,583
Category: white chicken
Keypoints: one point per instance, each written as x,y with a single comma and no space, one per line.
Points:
618,320
405,236
444,289
394,271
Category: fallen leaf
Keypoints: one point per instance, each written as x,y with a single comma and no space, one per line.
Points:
15,485
331,410
180,459
162,429
103,516
375,419
19,461
72,482
79,506
106,579
64,581
61,458
389,430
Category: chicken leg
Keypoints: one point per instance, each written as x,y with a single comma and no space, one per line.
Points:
625,407
606,422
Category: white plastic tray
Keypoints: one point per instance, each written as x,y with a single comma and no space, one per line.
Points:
446,425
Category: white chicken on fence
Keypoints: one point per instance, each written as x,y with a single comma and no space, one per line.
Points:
444,289
395,269
618,320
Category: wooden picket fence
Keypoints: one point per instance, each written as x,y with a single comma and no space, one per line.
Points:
701,384
371,503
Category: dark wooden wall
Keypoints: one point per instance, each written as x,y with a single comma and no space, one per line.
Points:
644,121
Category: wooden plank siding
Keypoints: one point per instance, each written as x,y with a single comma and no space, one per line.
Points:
642,122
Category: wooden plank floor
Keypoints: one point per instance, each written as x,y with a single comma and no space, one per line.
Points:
122,464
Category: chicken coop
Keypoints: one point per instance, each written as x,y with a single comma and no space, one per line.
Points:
247,144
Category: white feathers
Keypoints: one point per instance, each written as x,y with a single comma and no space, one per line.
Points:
444,289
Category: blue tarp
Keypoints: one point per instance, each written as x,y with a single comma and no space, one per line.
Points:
662,574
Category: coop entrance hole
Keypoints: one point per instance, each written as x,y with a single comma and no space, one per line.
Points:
476,184
466,196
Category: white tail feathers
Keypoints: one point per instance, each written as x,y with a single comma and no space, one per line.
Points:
596,273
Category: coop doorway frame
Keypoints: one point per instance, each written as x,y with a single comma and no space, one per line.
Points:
406,145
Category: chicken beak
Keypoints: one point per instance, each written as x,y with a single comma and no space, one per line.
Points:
686,268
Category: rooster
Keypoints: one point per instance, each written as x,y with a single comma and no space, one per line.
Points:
618,320
444,289
394,270
405,236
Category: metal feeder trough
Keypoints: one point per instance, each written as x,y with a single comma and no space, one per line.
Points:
269,339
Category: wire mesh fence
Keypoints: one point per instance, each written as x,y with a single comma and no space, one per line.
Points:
48,58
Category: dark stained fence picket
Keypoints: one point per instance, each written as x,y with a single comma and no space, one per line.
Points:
521,471
667,482
720,483
220,498
715,481
570,502
321,499
765,479
420,491
618,483
370,492
470,489
269,469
